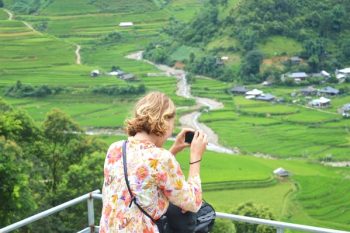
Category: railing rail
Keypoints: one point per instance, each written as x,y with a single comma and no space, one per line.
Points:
279,226
49,212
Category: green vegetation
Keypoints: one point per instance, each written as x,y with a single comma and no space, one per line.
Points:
43,64
22,90
310,29
252,210
115,90
279,130
47,153
280,45
3,15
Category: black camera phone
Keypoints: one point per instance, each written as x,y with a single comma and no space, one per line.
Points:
189,136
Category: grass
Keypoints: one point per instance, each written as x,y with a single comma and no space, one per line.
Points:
280,45
3,15
276,129
222,43
183,53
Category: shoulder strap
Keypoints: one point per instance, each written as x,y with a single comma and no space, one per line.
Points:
133,198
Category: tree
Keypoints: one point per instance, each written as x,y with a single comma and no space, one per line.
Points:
346,48
111,38
1,4
338,14
203,27
16,131
17,200
225,226
315,50
80,179
191,78
251,64
59,131
252,210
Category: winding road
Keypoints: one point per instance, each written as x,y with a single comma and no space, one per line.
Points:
191,119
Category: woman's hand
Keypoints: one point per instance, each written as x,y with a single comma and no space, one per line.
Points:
180,143
198,146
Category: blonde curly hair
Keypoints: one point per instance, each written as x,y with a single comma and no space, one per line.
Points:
150,115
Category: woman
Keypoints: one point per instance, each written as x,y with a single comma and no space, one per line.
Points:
154,175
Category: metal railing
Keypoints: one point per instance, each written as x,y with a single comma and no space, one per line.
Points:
279,226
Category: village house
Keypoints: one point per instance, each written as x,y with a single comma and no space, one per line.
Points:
126,24
345,110
116,73
328,91
310,90
342,74
219,61
325,74
281,172
95,73
266,97
239,90
320,103
224,58
295,60
266,83
127,77
297,76
253,94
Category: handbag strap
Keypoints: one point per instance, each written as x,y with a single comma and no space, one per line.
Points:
133,198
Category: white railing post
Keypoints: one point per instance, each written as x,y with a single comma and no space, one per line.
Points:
279,230
91,215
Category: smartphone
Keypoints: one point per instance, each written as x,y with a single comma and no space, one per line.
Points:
189,136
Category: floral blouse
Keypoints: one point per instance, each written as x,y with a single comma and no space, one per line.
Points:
155,178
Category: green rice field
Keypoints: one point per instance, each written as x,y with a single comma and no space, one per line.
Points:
295,137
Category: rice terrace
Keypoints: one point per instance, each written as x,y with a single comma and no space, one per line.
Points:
273,94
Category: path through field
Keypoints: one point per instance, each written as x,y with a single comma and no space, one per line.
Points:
191,119
77,54
9,13
24,22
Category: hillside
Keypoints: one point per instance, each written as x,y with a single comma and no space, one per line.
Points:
317,31
39,72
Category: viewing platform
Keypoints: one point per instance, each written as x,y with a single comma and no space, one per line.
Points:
91,228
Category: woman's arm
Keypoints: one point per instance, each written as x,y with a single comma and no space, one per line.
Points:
170,179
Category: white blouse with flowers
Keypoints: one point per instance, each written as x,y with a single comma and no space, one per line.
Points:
155,178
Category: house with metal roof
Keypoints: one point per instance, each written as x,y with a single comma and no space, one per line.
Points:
329,91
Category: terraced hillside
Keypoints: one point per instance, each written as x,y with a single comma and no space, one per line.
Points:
47,56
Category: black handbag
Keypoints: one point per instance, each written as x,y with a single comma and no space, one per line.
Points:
189,222
174,221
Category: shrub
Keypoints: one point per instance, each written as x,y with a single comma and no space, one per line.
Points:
252,210
20,90
115,90
223,226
